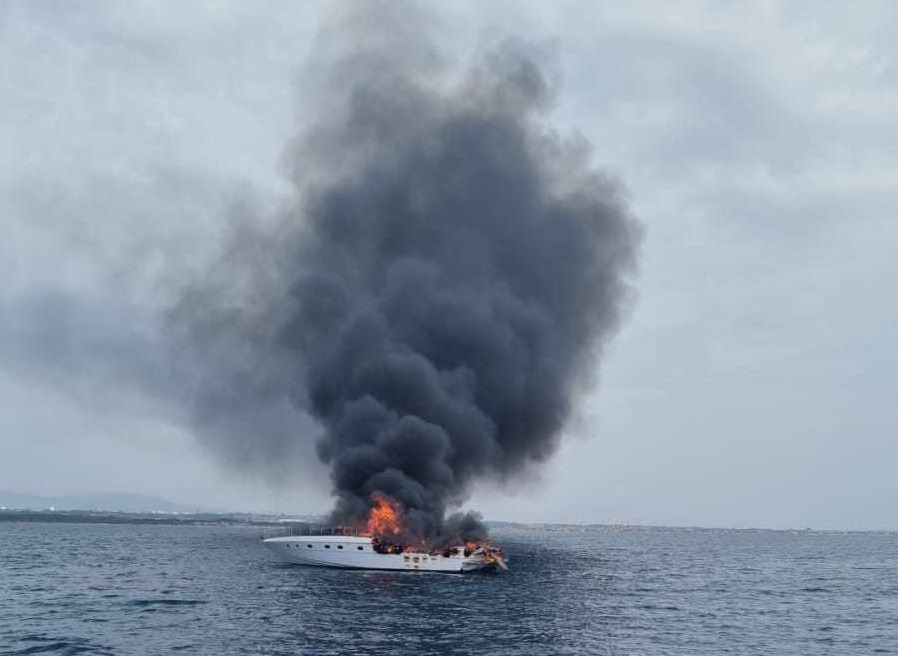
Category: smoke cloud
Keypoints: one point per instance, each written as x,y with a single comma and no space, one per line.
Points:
438,293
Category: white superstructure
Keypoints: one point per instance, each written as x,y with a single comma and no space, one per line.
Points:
357,552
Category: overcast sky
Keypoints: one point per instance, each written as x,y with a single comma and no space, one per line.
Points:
753,383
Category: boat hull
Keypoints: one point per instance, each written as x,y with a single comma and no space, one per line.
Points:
357,552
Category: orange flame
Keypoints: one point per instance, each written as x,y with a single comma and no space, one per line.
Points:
386,529
385,518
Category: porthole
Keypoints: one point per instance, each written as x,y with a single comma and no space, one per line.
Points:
360,548
327,546
309,546
339,546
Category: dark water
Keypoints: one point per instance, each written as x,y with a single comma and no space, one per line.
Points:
98,589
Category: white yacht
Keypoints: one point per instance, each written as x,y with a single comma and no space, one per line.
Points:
360,552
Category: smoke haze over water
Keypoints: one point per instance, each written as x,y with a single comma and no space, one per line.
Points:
438,293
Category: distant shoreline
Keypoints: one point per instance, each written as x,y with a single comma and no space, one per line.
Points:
247,519
118,517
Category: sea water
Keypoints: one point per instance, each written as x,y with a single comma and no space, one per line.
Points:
128,589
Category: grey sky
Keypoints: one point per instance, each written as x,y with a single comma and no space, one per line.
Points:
753,384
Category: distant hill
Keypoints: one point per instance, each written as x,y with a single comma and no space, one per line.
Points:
139,503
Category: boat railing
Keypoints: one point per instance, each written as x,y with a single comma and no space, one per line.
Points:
309,528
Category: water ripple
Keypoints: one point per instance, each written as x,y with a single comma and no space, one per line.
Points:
135,590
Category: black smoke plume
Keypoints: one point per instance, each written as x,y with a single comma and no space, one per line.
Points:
441,289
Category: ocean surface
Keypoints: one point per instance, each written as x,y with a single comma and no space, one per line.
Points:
113,589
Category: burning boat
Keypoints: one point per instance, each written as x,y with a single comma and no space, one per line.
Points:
364,552
378,547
